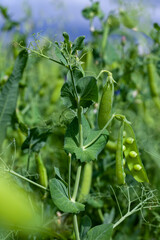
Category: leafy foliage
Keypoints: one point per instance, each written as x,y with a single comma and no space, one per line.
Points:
60,198
9,93
72,141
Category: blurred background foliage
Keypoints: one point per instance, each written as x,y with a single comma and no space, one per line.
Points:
124,41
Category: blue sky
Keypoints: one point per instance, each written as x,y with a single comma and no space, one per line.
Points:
65,15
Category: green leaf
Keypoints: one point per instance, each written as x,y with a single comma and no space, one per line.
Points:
66,41
78,44
60,55
57,173
100,232
85,226
9,93
35,140
71,143
77,74
67,93
109,217
66,37
86,88
60,198
93,11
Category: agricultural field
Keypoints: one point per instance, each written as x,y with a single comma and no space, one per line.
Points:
80,129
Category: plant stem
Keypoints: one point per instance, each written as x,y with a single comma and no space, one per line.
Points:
104,38
100,215
69,177
104,71
100,133
136,209
125,216
74,84
42,55
78,175
80,127
76,230
26,179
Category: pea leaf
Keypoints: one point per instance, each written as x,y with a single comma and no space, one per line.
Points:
35,139
93,11
71,143
77,74
66,41
9,93
87,92
67,93
78,44
60,198
59,54
100,232
85,226
57,173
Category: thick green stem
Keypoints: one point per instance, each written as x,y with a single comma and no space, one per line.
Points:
78,175
76,230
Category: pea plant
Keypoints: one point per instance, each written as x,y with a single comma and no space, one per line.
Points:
85,138
83,142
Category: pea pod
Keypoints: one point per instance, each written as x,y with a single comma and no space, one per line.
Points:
86,181
43,179
152,74
106,102
120,174
132,156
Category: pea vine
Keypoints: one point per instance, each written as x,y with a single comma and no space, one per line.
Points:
83,143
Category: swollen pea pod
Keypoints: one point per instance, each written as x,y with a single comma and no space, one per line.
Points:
106,102
43,178
132,156
86,181
152,74
120,174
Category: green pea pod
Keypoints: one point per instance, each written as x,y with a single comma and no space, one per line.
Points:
106,102
86,181
43,179
152,74
120,174
132,156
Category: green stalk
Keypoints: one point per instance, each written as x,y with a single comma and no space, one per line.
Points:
76,186
104,38
26,179
69,176
75,223
100,133
42,55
